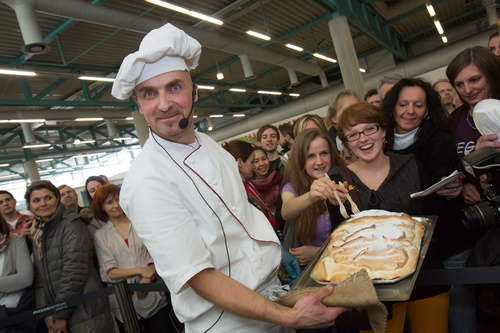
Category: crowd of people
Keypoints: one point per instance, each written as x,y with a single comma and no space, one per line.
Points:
217,225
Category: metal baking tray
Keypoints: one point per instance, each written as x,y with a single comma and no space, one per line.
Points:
394,290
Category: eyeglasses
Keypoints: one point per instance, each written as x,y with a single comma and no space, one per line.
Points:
367,131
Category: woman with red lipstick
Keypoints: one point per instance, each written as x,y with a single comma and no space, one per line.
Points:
475,74
123,256
305,191
385,181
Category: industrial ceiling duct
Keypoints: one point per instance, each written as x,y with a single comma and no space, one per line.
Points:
26,17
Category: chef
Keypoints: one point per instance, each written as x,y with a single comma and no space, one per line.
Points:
217,254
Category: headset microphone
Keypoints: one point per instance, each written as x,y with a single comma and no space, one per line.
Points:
183,123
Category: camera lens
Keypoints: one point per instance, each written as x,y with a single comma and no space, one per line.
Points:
478,217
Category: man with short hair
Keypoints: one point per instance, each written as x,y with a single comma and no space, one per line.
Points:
17,222
69,198
386,83
286,137
446,94
216,252
268,137
373,98
494,44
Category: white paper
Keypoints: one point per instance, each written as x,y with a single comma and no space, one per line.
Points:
487,116
438,186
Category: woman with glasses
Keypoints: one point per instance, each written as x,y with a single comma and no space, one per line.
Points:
385,181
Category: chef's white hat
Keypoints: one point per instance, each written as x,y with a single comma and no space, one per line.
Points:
162,50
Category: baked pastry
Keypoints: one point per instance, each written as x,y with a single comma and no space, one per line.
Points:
386,244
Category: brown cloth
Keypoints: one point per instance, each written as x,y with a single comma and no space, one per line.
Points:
355,292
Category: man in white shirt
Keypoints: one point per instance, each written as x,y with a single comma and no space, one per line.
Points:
217,254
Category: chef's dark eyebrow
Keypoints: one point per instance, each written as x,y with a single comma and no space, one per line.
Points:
171,83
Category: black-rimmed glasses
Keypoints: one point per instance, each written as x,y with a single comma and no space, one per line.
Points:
370,130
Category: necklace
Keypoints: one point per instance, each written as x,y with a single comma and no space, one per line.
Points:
468,122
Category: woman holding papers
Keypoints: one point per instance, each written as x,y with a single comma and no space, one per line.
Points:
418,125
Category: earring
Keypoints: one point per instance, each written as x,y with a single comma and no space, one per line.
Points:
426,117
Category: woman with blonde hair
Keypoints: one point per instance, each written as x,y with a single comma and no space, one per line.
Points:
308,121
305,191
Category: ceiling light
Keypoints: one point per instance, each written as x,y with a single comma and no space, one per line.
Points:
41,145
258,35
4,165
216,116
439,27
445,40
220,76
89,119
47,170
80,142
195,116
237,89
238,115
294,94
186,11
362,70
294,47
317,55
205,87
123,139
97,78
4,121
430,9
88,155
129,118
46,160
3,177
269,92
26,121
16,72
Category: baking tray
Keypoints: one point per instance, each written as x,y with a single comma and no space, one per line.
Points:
397,289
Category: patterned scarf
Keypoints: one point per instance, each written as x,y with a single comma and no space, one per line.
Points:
36,232
4,240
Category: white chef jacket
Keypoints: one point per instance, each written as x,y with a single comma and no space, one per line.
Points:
193,214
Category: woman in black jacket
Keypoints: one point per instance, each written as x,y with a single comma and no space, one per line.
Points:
64,268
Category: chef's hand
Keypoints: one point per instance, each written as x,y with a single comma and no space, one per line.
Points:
291,265
452,190
310,312
304,253
488,140
471,194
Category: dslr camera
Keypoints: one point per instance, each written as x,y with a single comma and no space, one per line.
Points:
483,215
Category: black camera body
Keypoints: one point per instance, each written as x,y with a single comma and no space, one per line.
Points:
483,215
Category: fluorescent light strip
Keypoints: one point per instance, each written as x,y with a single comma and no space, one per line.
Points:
269,92
123,139
42,145
258,35
205,87
294,47
4,165
129,118
186,11
445,40
47,160
16,72
439,27
97,78
238,89
294,94
47,170
89,119
317,55
89,155
216,116
22,121
238,115
3,177
78,142
431,10
362,70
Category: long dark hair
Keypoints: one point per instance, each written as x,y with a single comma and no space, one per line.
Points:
91,178
430,127
484,60
4,228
